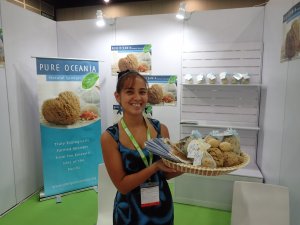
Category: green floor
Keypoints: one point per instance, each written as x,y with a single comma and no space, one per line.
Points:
81,209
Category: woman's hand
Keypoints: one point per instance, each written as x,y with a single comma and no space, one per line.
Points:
169,172
162,167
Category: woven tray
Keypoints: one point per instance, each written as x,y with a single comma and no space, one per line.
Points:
204,171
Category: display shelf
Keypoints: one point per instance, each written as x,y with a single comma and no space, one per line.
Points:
194,123
208,107
224,85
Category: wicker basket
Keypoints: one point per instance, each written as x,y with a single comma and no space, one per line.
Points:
204,171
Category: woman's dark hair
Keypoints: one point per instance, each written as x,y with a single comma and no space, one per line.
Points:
128,75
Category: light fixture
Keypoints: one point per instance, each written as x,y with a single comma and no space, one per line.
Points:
100,19
106,1
182,14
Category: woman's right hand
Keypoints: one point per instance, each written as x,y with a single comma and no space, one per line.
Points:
162,167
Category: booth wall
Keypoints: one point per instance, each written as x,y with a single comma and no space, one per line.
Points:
280,108
26,34
33,35
7,183
167,36
83,39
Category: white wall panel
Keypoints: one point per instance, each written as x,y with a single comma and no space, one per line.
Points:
279,142
164,32
26,35
273,92
224,26
7,178
290,153
7,181
84,40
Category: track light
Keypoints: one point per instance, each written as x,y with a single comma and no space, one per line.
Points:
100,19
182,14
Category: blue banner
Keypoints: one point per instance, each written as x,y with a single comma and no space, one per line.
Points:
70,123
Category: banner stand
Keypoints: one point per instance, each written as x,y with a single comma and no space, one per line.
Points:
44,198
70,124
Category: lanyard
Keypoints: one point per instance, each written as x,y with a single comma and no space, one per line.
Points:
136,145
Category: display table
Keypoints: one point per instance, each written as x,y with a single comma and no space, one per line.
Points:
213,191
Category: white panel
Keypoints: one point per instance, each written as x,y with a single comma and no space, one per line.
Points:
279,142
219,117
83,39
222,54
207,63
223,62
7,184
28,35
7,177
217,109
211,192
290,154
235,103
221,102
73,41
164,32
221,91
221,105
224,26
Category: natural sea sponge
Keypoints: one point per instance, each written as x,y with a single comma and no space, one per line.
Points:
130,62
63,110
217,155
155,94
235,143
214,143
208,162
231,159
226,146
208,137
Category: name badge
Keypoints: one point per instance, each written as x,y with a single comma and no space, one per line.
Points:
149,194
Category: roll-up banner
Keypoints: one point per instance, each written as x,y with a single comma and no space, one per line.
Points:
70,123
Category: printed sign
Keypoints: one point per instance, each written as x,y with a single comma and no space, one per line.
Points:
162,90
290,48
70,123
131,57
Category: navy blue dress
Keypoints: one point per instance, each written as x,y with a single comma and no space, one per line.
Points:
127,208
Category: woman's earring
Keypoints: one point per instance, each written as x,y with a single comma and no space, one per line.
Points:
120,110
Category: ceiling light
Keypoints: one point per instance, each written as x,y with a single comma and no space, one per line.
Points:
182,14
100,19
106,1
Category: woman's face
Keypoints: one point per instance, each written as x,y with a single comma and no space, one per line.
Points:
133,96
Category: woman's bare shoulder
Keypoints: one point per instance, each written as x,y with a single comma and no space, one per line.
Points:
164,131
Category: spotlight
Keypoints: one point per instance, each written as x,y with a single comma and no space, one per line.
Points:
100,19
106,1
182,14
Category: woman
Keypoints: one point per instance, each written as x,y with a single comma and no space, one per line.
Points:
143,196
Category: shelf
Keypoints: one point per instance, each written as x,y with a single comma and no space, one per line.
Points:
224,85
191,123
249,172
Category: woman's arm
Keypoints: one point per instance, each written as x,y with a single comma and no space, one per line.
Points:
114,165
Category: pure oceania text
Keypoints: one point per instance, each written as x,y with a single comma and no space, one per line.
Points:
72,68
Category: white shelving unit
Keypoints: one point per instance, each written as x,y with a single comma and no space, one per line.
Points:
208,107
